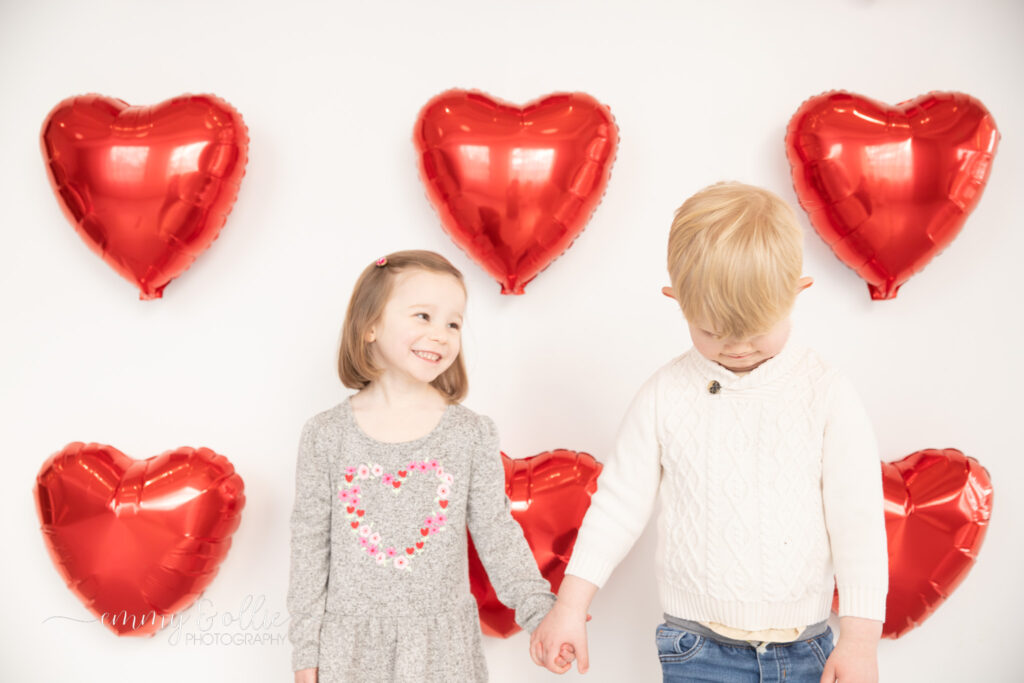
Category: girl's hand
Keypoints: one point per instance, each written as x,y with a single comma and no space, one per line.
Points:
305,676
855,659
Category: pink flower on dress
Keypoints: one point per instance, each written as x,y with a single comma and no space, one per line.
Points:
372,550
376,470
375,539
363,542
362,471
433,464
391,552
364,530
430,521
381,558
387,479
443,491
447,478
401,563
442,519
355,490
351,469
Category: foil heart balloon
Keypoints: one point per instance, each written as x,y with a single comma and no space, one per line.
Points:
514,186
137,541
549,493
889,187
147,188
937,508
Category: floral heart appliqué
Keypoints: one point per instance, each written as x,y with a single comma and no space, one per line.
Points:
351,491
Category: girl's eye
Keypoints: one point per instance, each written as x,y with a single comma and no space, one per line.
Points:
454,326
423,316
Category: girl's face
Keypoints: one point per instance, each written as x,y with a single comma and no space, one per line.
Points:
419,333
739,355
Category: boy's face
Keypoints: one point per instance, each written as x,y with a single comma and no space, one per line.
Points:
738,355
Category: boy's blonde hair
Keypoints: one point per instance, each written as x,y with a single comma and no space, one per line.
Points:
735,254
372,291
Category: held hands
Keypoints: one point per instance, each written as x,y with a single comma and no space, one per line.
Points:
855,659
560,639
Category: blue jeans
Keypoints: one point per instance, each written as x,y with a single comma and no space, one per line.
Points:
693,658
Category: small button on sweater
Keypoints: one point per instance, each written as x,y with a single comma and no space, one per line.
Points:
770,490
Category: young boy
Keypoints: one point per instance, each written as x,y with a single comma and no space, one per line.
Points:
767,470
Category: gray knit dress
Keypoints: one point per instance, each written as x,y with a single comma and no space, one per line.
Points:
379,586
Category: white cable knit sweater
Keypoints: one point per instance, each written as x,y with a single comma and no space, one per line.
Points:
769,486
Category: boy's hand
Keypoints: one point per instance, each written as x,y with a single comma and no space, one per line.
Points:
855,659
561,638
305,676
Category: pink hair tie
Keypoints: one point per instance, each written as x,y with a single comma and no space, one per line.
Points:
382,261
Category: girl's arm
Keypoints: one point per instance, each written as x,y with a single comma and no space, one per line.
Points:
499,539
310,553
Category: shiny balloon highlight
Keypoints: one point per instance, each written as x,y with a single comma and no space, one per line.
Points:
514,186
147,187
889,187
550,493
137,540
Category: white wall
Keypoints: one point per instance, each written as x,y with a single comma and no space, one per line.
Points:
240,350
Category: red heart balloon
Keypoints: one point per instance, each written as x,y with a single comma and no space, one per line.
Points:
137,540
937,507
515,185
889,187
147,188
549,493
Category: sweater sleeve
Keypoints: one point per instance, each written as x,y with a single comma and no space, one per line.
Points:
854,506
626,491
499,539
310,550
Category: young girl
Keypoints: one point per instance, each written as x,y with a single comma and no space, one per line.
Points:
386,485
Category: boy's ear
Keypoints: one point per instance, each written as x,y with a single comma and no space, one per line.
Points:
667,291
803,283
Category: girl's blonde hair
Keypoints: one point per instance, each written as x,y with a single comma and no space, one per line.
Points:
372,291
735,253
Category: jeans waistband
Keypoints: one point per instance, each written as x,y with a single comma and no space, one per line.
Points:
812,631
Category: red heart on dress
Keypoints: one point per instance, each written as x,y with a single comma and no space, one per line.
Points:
402,473
443,504
937,508
147,187
550,493
419,545
137,540
514,186
886,187
410,550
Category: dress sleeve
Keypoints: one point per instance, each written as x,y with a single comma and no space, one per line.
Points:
499,539
854,505
626,491
310,550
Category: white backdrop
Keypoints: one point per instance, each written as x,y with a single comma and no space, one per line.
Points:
240,350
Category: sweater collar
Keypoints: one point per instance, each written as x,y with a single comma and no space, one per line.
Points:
766,373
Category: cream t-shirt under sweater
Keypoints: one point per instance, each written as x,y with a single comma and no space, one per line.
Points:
770,488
